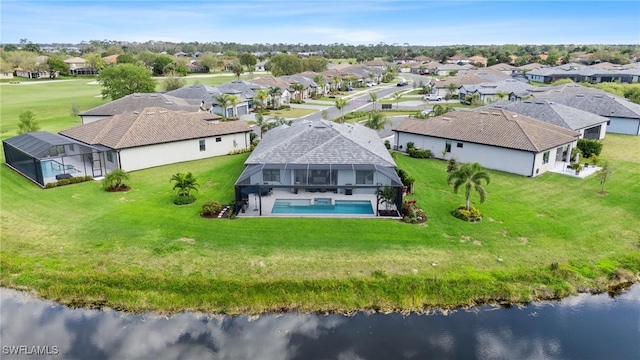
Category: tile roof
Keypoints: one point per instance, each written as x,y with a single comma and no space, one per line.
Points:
550,112
271,81
139,101
497,127
154,125
321,142
75,60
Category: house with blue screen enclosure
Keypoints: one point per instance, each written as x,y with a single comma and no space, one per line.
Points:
317,168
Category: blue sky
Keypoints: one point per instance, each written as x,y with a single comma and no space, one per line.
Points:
418,22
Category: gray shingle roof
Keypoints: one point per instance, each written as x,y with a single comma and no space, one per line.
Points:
321,142
507,86
593,100
153,125
197,91
550,112
140,101
497,127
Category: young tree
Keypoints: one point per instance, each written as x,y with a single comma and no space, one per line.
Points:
298,88
161,63
237,70
184,183
438,110
57,65
27,122
374,99
470,176
341,103
376,121
124,79
247,59
396,96
387,195
233,101
262,95
275,93
95,61
74,110
173,82
114,181
603,175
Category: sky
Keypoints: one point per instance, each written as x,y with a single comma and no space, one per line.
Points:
417,22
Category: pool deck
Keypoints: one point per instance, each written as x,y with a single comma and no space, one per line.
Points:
253,210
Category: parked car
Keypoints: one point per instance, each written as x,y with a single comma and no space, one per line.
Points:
431,97
403,83
371,84
346,88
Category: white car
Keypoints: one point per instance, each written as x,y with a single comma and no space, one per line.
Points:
431,97
371,84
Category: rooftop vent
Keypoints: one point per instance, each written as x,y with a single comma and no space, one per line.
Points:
136,112
151,113
446,119
153,95
484,113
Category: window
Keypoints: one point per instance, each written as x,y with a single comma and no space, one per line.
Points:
447,146
271,175
218,139
545,158
71,147
109,156
364,177
460,145
203,145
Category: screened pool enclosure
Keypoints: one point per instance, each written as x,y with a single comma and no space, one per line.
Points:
43,157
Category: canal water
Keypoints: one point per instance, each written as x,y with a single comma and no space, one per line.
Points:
580,327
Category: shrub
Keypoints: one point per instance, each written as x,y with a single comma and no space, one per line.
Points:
51,185
184,199
76,179
453,165
410,145
64,182
88,178
419,154
589,147
210,208
471,215
387,144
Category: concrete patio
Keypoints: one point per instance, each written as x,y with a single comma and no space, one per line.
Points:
562,167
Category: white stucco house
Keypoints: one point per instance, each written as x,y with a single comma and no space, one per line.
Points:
156,136
497,139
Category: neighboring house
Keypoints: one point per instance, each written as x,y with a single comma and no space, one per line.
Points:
135,102
404,60
260,66
31,74
244,91
505,68
273,82
310,87
111,59
458,59
623,115
337,160
441,88
477,59
378,64
488,92
45,158
497,139
6,75
578,73
76,63
156,136
446,69
195,67
589,125
196,93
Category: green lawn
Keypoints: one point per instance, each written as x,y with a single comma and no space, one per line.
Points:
137,251
291,113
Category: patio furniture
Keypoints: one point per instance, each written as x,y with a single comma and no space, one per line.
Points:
348,191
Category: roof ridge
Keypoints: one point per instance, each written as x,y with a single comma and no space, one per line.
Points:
133,123
519,125
366,148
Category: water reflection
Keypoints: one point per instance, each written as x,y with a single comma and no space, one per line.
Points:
580,327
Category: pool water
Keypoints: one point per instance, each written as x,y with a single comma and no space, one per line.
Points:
322,206
52,168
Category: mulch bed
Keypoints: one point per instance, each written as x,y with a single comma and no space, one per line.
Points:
222,214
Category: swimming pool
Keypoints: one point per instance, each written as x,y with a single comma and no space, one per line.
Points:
51,168
322,206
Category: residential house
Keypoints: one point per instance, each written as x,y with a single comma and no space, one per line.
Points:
497,91
310,87
259,67
320,159
323,86
450,85
378,64
196,94
623,115
111,59
271,82
505,68
156,136
76,63
136,102
446,69
589,125
497,139
404,60
244,91
579,73
477,59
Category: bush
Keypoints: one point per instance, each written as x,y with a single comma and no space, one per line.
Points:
210,208
88,178
471,215
387,144
410,145
419,154
453,165
184,199
64,182
51,185
589,147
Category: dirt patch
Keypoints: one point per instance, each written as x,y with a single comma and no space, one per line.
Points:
541,214
603,193
187,240
477,243
464,238
121,188
524,240
75,196
504,232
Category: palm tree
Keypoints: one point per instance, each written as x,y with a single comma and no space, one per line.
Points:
377,121
396,96
223,100
374,99
298,88
440,110
262,95
471,176
185,183
238,70
115,180
233,101
340,105
501,95
319,79
275,93
387,195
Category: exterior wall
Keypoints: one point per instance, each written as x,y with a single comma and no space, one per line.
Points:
603,131
6,75
491,157
623,126
169,153
287,177
86,119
